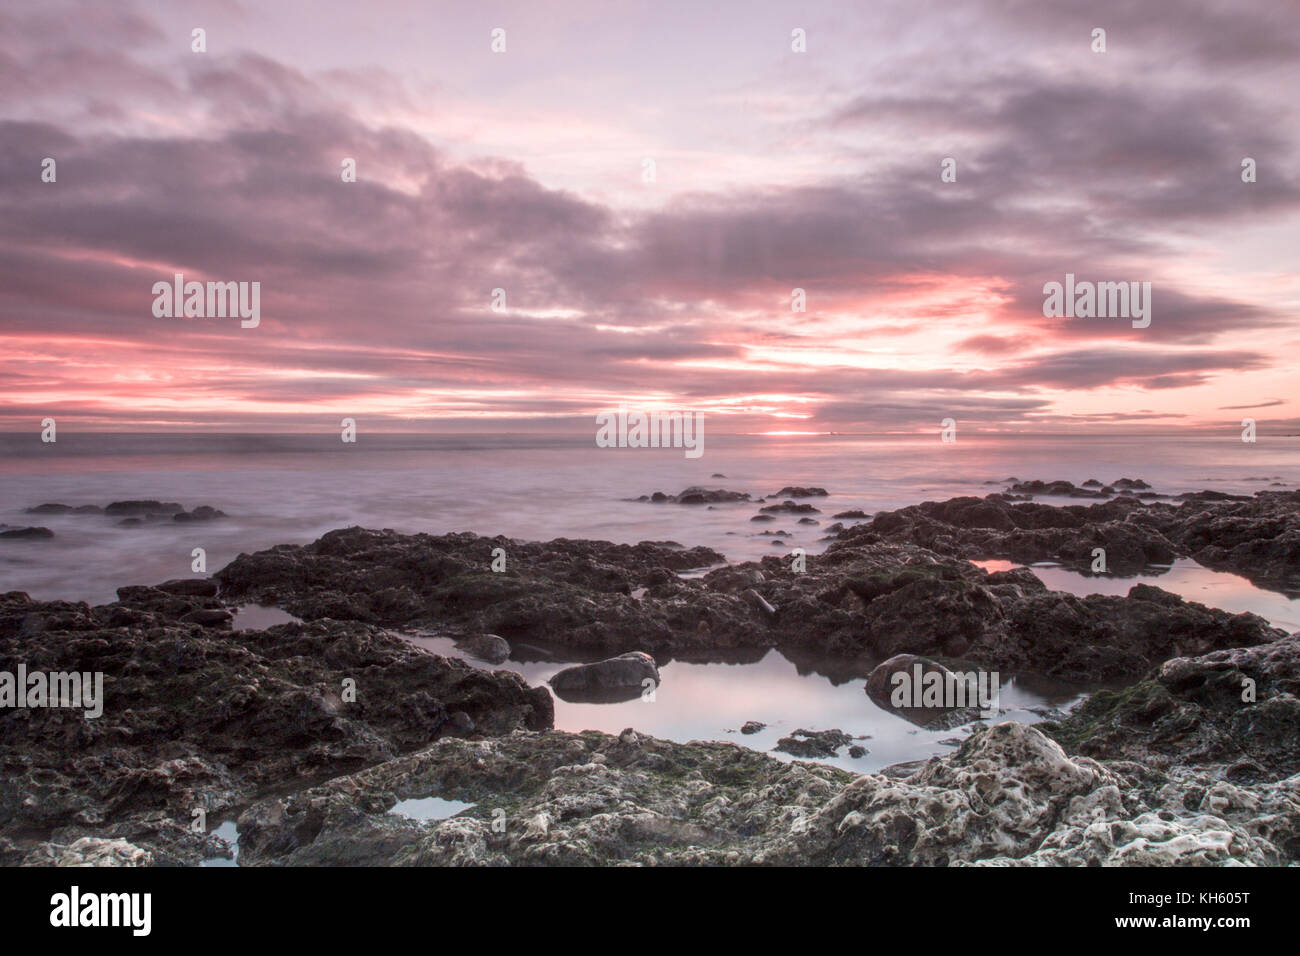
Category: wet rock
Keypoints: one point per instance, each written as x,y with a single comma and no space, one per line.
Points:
899,686
211,717
26,533
50,509
752,727
486,647
757,601
627,672
147,506
697,495
89,851
852,513
797,491
1234,712
208,617
856,751
201,513
789,507
813,743
192,587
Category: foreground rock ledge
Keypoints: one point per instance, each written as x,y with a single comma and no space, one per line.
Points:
1010,795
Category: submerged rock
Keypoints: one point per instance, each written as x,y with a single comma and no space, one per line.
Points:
623,677
905,677
486,647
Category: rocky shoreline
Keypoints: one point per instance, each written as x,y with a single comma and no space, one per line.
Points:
309,733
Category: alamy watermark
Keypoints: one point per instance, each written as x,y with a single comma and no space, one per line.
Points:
58,689
1102,300
633,429
213,300
946,690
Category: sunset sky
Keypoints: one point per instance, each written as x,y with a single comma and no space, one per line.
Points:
523,170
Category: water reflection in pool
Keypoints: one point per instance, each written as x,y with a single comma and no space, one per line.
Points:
699,700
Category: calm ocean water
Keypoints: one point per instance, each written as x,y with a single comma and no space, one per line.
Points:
291,489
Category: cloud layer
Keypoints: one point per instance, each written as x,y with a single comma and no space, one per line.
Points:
775,170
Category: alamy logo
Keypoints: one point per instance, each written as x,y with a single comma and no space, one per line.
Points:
946,690
73,909
1102,300
624,429
215,300
59,689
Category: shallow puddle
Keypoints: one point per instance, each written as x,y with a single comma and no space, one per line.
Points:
1186,578
712,700
429,808
230,833
256,617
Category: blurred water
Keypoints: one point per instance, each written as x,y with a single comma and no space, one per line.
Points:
292,489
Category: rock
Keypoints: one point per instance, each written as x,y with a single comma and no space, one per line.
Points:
624,675
795,491
864,598
143,507
201,513
26,533
1192,711
208,617
193,587
852,513
89,851
218,718
696,495
813,743
904,677
752,727
1131,483
857,751
486,647
759,602
789,507
50,509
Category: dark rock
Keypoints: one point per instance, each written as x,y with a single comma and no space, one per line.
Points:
903,677
486,647
27,533
201,513
208,617
752,727
796,491
143,507
813,743
627,672
789,507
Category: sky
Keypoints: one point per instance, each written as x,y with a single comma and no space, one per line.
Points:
648,183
